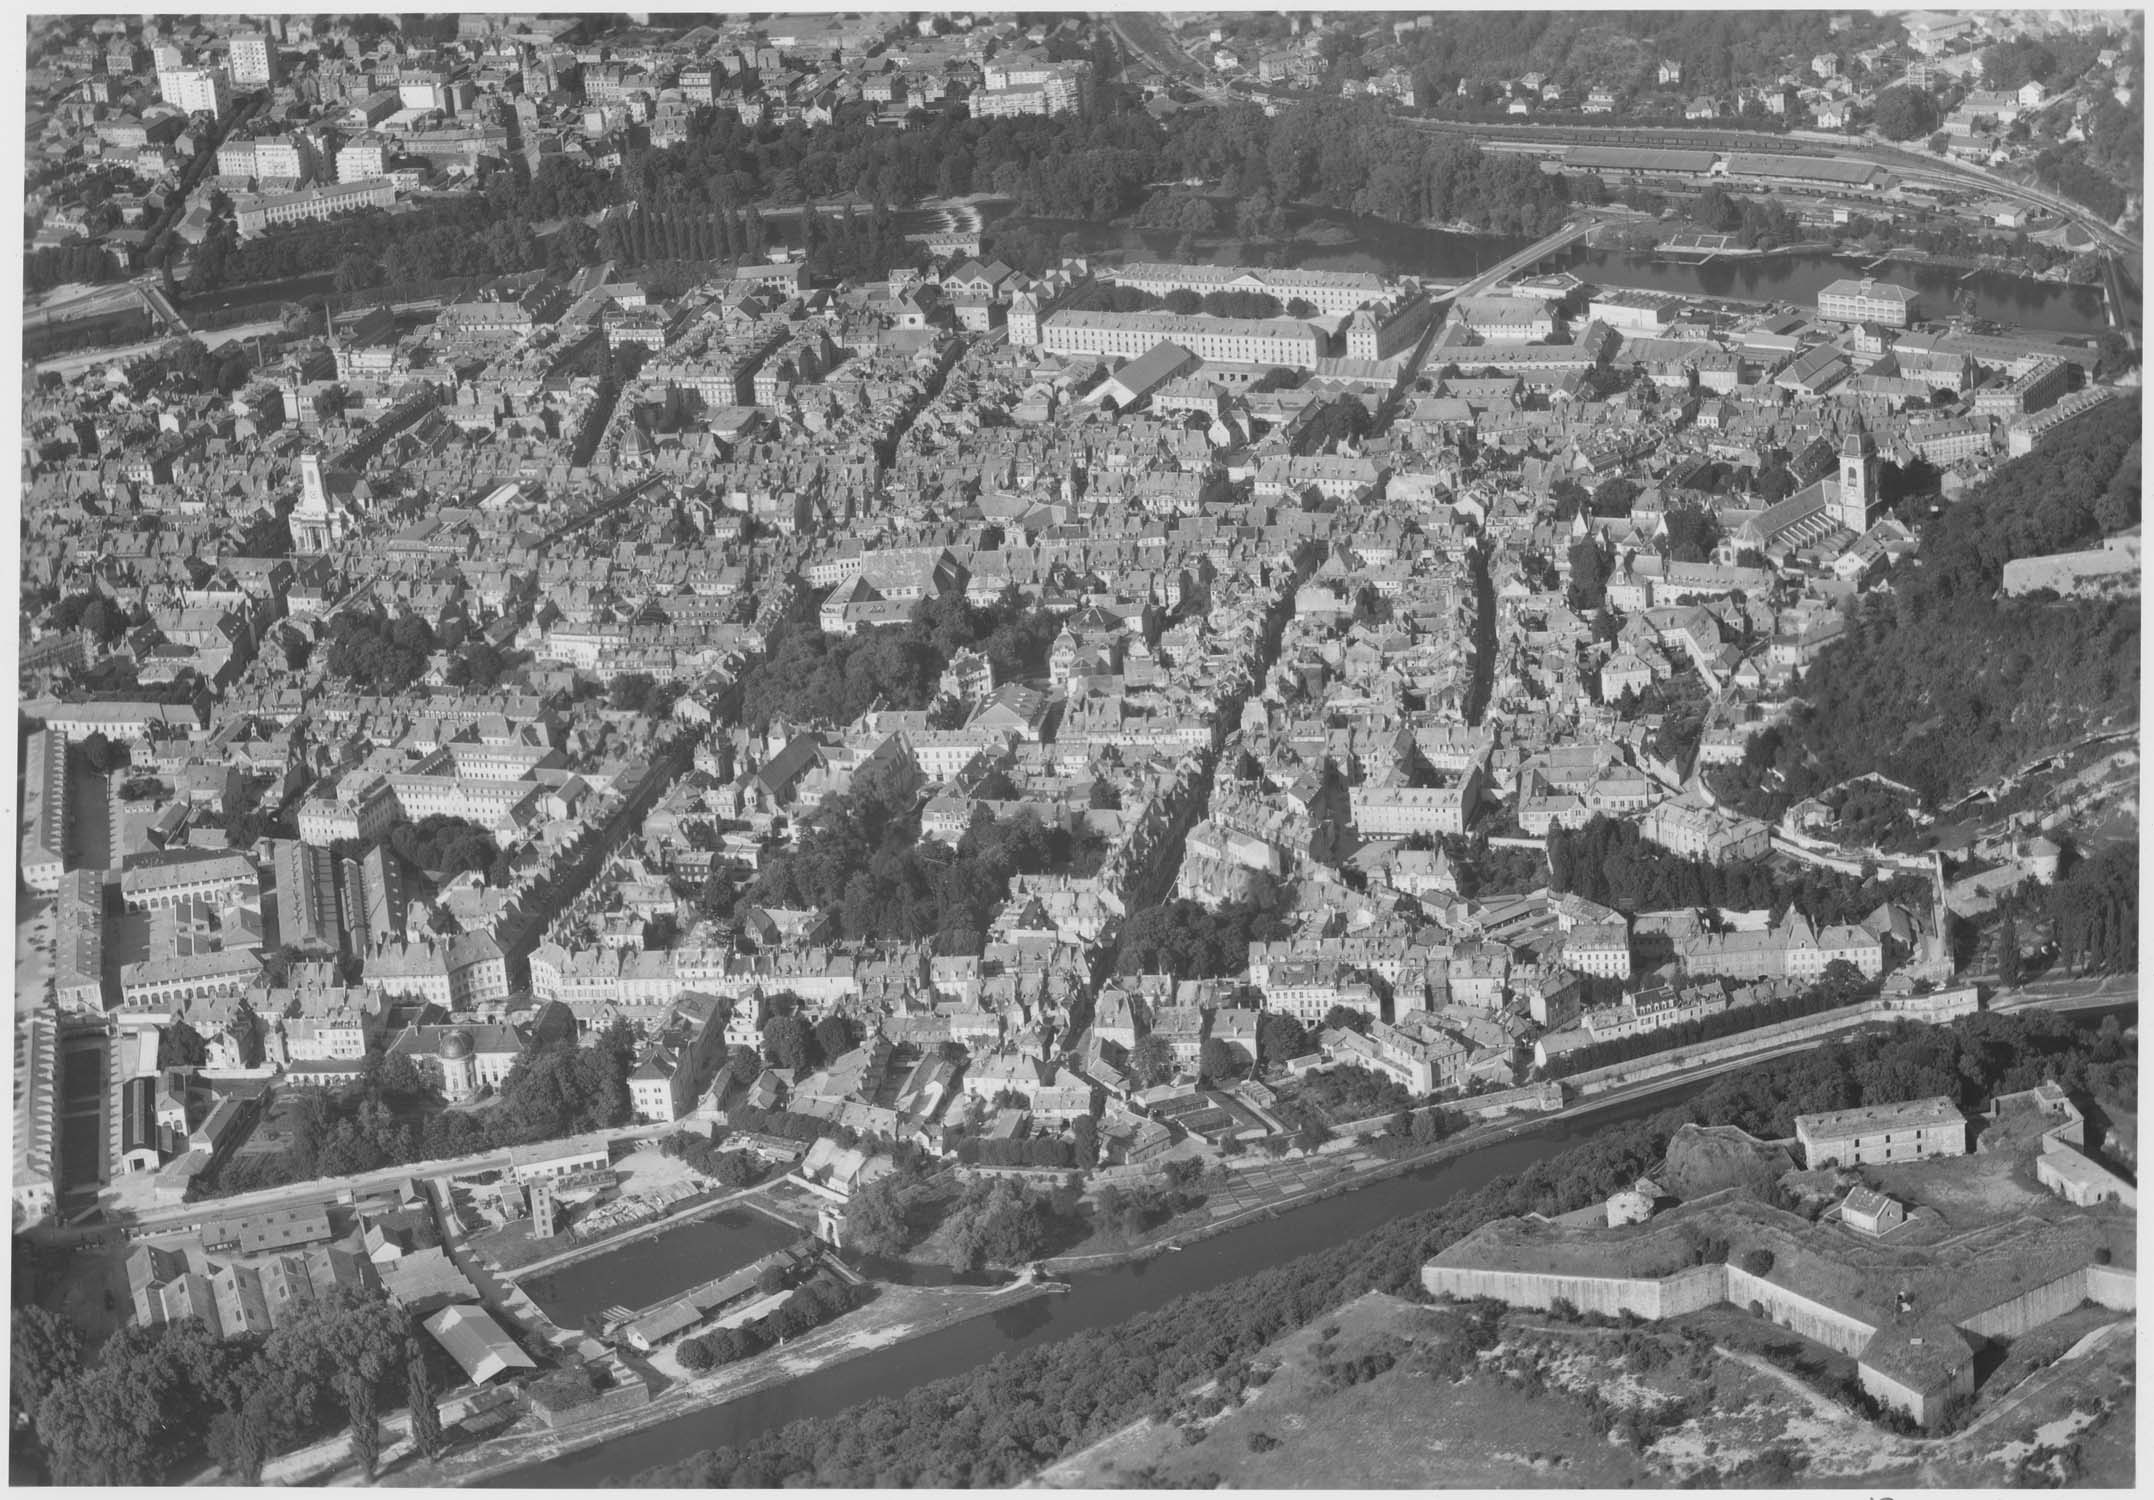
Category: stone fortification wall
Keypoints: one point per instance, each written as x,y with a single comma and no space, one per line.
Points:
1612,1296
2053,1299
2114,1287
1813,1320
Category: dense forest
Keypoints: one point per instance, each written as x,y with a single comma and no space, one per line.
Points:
1943,685
1002,1422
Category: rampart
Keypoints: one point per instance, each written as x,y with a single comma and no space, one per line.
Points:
2107,1285
1686,1291
1699,1287
1791,1310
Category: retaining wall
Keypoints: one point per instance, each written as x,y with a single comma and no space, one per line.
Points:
1699,1055
2031,1309
1612,1296
1535,1096
2114,1287
1792,1310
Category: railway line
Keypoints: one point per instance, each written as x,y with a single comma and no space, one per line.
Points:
1912,165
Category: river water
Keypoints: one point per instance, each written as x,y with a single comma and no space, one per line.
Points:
648,1271
1330,241
1099,1298
1095,1299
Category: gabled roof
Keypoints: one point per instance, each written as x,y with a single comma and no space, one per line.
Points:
477,1343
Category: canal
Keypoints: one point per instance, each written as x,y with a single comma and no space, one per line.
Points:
651,1270
1095,1299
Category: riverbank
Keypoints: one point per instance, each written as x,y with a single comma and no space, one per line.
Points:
1358,1167
897,1314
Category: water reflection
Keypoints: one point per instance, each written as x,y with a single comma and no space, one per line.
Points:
1332,241
1025,1318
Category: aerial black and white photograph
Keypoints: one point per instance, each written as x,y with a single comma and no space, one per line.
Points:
1133,749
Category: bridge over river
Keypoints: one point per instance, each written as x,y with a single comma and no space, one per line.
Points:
1511,265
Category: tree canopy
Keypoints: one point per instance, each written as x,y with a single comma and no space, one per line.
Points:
808,677
1944,684
1902,113
162,1399
862,858
1190,941
377,653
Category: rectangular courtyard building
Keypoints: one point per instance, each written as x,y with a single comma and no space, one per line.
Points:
1908,1131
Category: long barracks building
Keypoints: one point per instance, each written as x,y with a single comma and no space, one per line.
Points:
1252,341
1326,291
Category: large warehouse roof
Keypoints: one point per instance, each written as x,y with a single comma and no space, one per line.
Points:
1803,168
1640,159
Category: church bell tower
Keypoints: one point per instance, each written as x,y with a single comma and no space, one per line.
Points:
1858,483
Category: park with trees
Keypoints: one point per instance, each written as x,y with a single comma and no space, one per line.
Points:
862,857
807,677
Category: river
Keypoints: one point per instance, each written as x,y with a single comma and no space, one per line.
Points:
1095,1299
1099,1298
1325,240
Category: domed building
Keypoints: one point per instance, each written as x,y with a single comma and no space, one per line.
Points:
465,1059
457,1067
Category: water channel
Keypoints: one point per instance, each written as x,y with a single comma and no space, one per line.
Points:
1095,1299
1099,1298
1329,241
648,1271
1326,240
